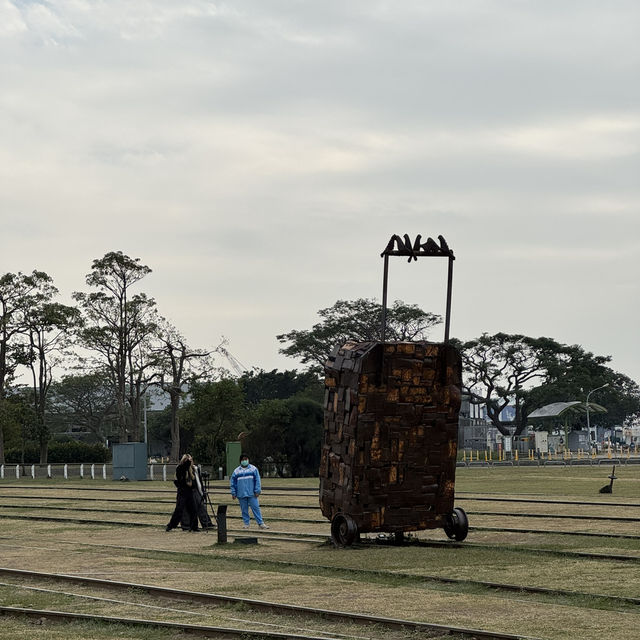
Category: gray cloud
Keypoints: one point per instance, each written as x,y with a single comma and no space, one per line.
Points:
259,155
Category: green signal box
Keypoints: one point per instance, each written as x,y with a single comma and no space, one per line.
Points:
233,451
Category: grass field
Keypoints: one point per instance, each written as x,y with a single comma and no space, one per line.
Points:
386,580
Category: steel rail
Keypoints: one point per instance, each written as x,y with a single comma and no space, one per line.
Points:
285,535
450,544
540,501
279,536
263,605
218,489
182,627
471,528
153,513
282,536
590,534
416,578
80,498
565,516
410,577
146,501
268,505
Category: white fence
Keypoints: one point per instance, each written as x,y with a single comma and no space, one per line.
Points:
82,470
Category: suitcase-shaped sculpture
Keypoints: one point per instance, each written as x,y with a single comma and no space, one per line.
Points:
390,435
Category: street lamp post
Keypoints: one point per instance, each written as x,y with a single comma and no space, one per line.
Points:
592,436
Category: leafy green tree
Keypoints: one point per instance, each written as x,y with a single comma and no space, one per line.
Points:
286,433
304,437
358,320
19,292
278,385
497,368
119,326
49,329
503,369
19,419
87,401
571,372
214,414
266,439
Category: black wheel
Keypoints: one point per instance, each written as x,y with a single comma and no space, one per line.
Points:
457,525
343,530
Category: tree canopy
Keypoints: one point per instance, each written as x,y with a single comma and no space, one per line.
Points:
259,385
504,369
359,320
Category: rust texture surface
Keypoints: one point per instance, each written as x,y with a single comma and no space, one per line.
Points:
390,434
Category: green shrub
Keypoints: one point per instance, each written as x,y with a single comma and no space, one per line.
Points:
60,453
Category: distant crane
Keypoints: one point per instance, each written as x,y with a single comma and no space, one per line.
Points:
236,365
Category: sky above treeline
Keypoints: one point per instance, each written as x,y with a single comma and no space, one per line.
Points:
258,155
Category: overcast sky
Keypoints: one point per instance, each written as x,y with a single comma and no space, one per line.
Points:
258,155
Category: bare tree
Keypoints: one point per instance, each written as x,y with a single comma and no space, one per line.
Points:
179,366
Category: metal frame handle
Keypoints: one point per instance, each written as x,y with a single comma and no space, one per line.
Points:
398,246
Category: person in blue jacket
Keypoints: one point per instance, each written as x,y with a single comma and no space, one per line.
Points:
246,487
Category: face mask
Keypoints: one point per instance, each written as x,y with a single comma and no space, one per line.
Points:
244,463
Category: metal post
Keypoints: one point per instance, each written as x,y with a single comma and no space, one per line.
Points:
33,471
1,471
447,321
164,472
66,472
151,472
17,471
221,519
82,470
385,280
104,471
93,471
49,474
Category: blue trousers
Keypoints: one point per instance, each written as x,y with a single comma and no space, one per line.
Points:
252,502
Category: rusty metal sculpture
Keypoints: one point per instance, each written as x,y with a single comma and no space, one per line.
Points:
391,424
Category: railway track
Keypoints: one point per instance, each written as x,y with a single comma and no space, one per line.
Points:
412,578
315,507
213,489
316,537
268,507
545,501
224,600
319,538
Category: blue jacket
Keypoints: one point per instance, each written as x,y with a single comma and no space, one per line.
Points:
245,482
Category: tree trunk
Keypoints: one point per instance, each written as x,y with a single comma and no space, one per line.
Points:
175,426
44,450
134,403
122,420
1,438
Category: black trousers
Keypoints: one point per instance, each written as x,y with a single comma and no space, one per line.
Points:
201,510
184,501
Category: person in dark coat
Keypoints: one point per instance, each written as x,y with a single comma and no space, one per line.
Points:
200,500
184,480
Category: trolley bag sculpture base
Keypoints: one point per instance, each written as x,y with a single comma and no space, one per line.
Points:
390,437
